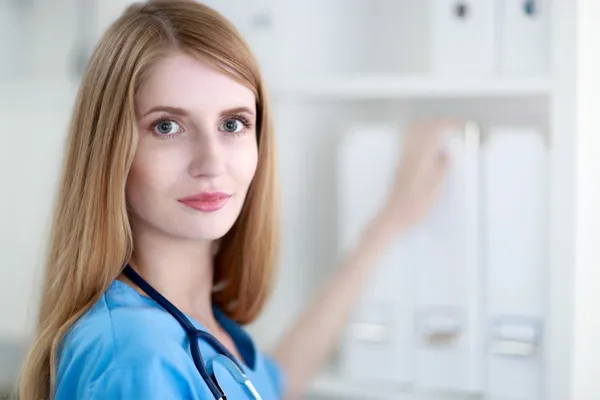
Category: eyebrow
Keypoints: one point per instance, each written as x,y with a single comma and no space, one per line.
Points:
181,112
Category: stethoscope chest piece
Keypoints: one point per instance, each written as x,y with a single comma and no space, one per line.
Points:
228,375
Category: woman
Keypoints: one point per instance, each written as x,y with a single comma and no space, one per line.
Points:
169,190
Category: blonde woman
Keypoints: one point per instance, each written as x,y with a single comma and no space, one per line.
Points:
165,230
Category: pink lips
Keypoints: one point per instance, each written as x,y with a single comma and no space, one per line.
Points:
207,201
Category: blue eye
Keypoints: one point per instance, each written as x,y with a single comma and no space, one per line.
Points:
232,125
166,127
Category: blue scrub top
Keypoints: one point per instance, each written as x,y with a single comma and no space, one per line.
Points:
128,347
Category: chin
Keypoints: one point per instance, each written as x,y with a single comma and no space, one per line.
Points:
207,234
206,228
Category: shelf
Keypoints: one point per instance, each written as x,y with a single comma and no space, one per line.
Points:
41,94
390,87
331,386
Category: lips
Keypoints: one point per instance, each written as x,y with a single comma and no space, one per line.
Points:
206,201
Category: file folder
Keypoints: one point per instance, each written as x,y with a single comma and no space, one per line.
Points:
463,37
524,37
447,308
378,342
515,216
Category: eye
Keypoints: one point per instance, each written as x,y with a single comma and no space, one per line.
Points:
232,125
166,127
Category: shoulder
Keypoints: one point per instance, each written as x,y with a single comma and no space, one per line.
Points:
107,332
112,352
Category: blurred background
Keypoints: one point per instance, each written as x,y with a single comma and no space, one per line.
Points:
478,300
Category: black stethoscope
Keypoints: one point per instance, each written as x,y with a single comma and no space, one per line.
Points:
224,358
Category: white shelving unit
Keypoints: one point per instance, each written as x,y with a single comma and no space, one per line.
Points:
337,64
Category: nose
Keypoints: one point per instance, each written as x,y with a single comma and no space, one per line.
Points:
208,156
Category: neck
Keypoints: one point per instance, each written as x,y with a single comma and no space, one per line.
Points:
182,271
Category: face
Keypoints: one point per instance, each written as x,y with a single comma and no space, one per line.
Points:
197,150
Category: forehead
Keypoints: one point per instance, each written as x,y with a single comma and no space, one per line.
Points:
180,80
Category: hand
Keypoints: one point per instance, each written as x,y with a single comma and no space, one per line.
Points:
420,173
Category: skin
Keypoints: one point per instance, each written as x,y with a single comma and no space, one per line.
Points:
193,150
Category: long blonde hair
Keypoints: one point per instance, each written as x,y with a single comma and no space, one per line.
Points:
91,237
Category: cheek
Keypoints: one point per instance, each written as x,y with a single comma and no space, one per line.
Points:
152,173
243,164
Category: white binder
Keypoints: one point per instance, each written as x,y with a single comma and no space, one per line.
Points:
524,34
446,267
379,333
515,215
463,37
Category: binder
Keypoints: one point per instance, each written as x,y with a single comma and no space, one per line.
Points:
448,336
379,333
524,33
515,215
463,34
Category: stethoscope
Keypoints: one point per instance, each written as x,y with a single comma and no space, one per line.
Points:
224,358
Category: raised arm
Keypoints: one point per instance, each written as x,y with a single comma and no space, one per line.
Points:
309,342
